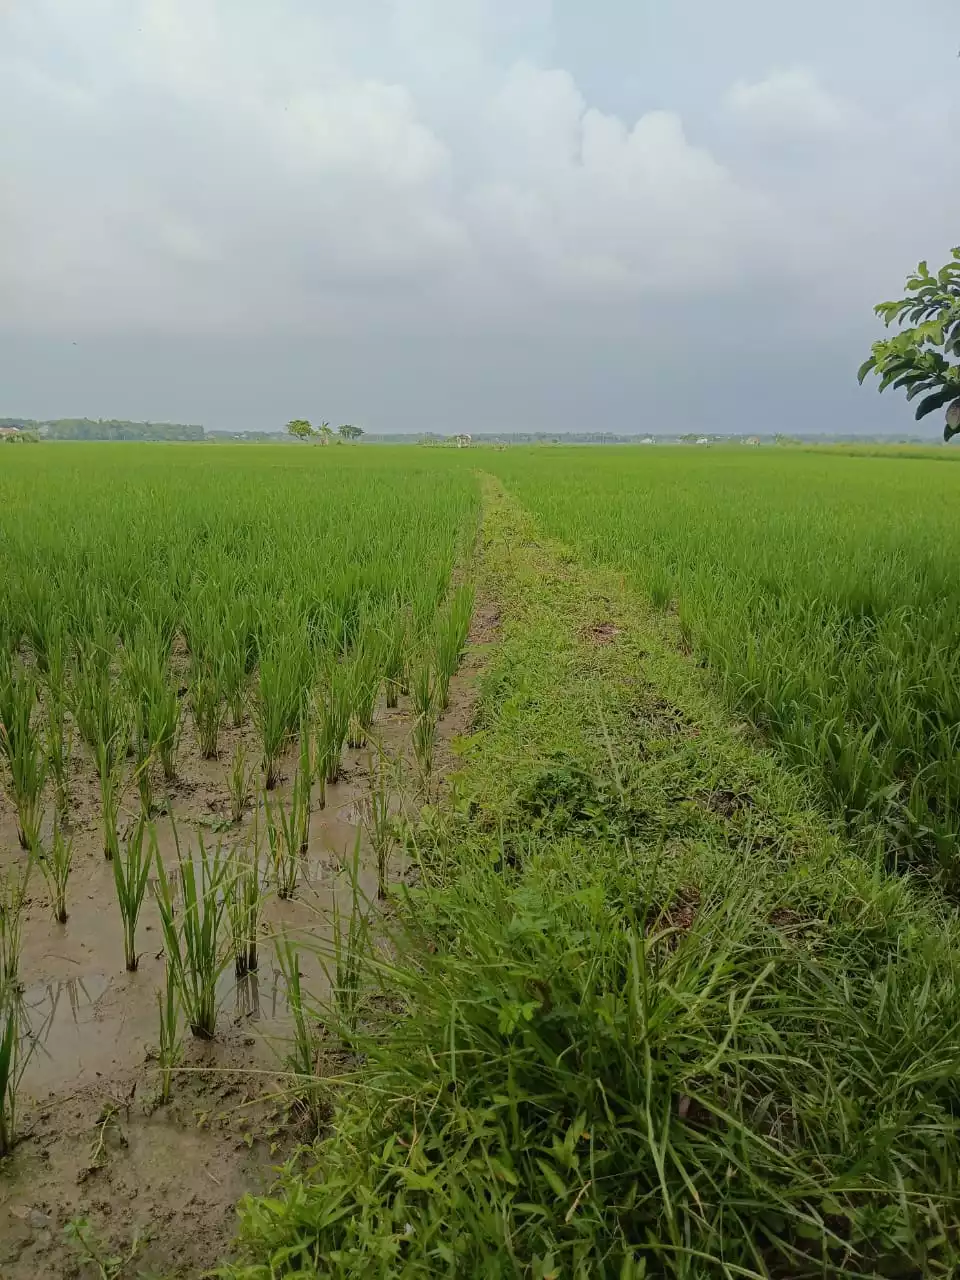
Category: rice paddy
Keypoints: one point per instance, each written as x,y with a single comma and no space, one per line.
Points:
548,858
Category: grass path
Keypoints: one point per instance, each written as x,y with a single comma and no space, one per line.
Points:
649,1016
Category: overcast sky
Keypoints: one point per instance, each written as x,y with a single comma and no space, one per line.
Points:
621,215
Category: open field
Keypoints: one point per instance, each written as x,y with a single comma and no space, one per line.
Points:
657,970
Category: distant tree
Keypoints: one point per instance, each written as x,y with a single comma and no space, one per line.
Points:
917,359
347,432
300,428
324,432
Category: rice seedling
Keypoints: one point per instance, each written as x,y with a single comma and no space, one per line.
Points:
284,838
131,872
303,783
351,942
170,1046
55,864
155,708
286,671
244,907
450,637
101,714
333,723
206,701
364,676
58,743
13,892
395,656
194,943
238,657
378,820
22,745
240,781
99,706
424,692
303,1058
12,1063
41,619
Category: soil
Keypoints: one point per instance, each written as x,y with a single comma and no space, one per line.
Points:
158,1185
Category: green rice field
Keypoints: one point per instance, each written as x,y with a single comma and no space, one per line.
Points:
533,862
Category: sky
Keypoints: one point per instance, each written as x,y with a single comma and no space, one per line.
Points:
479,215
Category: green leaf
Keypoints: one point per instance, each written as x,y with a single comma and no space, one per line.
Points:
936,401
865,368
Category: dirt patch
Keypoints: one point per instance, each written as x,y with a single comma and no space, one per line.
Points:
601,633
675,919
485,625
659,719
724,803
95,1146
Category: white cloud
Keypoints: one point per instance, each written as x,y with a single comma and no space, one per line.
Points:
591,204
791,101
302,184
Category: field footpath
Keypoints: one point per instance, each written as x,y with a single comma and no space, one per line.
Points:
649,1016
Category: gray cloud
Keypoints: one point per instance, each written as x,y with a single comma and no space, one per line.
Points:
443,212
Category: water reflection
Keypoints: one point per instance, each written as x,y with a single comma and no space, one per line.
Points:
51,1003
261,995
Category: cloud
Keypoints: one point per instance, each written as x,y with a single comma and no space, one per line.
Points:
440,191
586,203
791,102
298,183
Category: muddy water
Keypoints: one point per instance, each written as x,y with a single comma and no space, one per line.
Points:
89,1019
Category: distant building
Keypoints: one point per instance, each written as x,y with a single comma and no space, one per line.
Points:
648,440
463,441
7,432
753,441
702,440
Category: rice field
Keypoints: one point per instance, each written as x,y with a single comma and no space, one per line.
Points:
819,589
546,857
206,668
